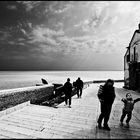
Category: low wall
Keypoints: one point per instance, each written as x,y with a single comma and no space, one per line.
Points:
103,81
12,97
36,95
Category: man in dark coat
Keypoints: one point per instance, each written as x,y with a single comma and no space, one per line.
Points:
106,98
67,91
79,87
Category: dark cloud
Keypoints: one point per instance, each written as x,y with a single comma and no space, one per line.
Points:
54,33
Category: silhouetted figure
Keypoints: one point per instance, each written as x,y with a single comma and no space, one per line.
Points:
79,86
128,108
44,81
106,96
67,91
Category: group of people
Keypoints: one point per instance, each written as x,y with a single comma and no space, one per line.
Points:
106,95
67,88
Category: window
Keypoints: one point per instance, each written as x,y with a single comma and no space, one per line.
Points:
127,58
134,53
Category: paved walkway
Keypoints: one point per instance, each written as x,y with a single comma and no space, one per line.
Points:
34,121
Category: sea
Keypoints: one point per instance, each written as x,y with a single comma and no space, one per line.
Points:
20,79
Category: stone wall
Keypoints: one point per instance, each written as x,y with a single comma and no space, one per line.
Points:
36,95
12,97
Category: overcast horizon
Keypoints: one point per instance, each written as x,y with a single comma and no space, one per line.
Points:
66,35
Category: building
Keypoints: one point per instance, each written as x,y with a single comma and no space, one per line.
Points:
132,63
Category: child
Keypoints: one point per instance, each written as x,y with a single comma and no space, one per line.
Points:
128,108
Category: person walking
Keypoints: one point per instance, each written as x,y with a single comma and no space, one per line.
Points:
79,87
106,96
67,91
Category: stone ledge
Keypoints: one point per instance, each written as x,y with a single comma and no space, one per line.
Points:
13,97
12,109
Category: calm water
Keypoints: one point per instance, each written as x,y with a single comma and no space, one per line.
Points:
17,79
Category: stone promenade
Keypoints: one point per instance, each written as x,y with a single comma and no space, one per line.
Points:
79,122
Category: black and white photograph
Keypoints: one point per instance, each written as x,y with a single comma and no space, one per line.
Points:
69,69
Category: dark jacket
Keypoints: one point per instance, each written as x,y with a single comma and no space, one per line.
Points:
79,84
67,88
107,95
129,104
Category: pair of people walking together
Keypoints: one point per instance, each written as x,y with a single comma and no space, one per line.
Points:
106,95
67,88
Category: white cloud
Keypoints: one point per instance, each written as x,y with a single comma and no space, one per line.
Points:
23,31
42,31
21,43
125,7
16,43
83,38
68,42
51,42
21,39
43,35
12,7
114,19
61,10
59,26
29,5
29,24
108,21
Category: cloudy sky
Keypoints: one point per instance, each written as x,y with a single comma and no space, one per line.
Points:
66,35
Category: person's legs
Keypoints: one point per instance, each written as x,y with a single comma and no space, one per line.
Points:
123,115
101,116
69,101
66,99
80,92
107,116
129,116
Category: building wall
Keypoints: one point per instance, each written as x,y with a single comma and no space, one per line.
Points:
126,71
135,44
132,76
138,51
126,78
131,69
